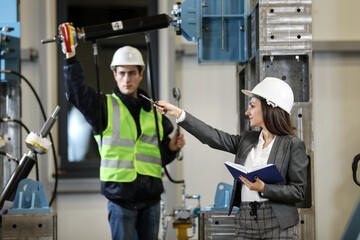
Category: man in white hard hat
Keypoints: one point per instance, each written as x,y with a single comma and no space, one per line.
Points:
131,164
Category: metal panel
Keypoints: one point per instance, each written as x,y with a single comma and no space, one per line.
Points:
216,225
293,69
9,50
281,35
223,40
9,107
9,39
190,20
219,26
8,11
306,226
286,25
223,37
29,226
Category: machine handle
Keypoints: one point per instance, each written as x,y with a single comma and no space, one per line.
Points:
117,28
177,96
354,168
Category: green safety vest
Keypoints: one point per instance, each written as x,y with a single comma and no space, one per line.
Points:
123,155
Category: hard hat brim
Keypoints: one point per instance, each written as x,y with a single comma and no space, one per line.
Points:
247,92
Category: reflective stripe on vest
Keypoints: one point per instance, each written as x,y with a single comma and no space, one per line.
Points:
122,154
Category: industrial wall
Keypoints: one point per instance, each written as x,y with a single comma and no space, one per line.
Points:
209,92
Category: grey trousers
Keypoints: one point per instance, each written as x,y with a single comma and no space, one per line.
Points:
256,220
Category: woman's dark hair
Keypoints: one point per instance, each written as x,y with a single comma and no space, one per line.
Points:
276,120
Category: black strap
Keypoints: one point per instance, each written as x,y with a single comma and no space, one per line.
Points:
254,207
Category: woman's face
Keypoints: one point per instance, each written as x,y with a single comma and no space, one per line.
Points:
254,112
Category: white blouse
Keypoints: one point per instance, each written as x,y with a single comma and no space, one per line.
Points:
257,157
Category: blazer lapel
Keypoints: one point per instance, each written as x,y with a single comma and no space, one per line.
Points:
246,147
279,150
274,150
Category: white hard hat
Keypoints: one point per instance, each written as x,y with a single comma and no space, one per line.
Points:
127,56
276,92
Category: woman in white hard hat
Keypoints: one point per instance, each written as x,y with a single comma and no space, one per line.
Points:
266,211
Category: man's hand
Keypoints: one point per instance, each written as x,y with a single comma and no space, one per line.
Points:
68,39
177,141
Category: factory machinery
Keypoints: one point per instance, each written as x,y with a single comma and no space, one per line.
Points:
265,38
280,45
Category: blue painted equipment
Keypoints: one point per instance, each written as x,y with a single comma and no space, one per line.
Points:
9,40
222,198
30,198
214,221
219,26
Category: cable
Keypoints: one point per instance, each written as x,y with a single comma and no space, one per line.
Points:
50,136
97,75
27,130
9,156
152,91
16,121
354,167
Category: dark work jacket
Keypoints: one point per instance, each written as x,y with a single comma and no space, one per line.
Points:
144,190
288,153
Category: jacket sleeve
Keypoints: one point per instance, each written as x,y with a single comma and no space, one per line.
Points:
84,97
296,177
208,135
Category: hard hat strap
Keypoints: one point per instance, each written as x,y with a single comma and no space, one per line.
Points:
268,102
272,104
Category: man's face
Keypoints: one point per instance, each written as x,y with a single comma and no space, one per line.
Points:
128,79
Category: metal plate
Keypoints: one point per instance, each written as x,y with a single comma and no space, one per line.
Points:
216,225
29,226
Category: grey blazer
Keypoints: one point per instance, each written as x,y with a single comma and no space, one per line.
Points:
288,154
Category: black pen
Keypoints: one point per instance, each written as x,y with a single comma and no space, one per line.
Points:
153,102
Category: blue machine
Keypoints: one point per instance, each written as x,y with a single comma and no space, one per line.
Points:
9,40
30,198
222,198
219,26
